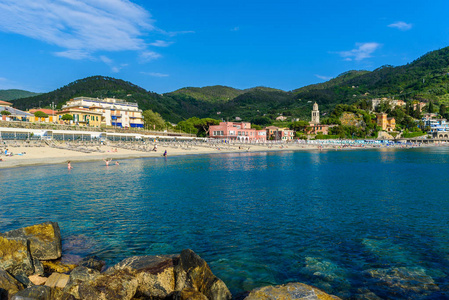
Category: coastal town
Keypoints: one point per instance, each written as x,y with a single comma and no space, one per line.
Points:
86,129
117,115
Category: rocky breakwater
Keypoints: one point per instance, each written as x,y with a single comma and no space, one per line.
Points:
30,268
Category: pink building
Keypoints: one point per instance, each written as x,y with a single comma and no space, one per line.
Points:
241,131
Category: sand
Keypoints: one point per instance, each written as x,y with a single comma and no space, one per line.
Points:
26,156
33,155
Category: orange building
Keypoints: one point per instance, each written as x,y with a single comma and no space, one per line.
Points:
387,124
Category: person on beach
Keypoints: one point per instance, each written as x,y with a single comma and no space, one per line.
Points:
107,161
116,163
69,165
165,153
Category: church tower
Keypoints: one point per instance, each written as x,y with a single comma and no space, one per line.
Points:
315,114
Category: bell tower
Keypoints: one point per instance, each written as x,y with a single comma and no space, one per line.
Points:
315,114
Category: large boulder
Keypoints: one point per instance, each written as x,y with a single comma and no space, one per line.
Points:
155,274
15,257
37,292
8,285
289,291
186,294
118,286
82,274
193,272
45,239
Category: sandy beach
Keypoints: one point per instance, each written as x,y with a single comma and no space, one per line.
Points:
41,153
44,154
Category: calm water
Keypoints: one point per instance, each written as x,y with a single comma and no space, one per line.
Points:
350,222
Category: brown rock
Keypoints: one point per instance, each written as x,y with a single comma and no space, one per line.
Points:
37,292
83,273
290,291
8,285
45,239
187,294
57,266
37,280
118,286
155,274
57,280
193,272
15,257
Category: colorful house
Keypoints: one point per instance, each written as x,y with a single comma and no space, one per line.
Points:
279,134
387,124
81,116
14,113
115,112
240,131
52,115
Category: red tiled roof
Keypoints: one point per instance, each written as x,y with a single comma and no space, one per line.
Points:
5,103
44,110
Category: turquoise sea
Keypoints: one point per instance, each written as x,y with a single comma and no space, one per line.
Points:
357,224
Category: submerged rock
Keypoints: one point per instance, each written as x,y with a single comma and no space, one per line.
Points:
92,262
8,285
289,291
15,257
403,280
45,239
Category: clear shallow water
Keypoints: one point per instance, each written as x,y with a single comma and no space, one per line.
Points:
349,222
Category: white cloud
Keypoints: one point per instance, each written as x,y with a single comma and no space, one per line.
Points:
155,74
363,50
147,56
160,43
81,27
106,59
3,79
235,29
323,77
401,26
175,33
74,54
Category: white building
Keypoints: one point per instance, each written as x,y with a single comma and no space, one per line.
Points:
115,112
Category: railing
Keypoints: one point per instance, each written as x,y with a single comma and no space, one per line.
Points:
49,126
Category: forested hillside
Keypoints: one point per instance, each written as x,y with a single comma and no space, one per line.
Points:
424,79
12,94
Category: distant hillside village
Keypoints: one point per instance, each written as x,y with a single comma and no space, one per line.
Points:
370,119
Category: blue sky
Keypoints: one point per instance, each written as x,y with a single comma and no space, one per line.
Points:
164,45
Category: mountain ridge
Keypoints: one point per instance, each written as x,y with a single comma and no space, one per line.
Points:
424,79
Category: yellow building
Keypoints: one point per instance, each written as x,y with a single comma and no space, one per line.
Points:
387,124
52,117
82,117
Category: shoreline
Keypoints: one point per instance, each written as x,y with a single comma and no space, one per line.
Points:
24,156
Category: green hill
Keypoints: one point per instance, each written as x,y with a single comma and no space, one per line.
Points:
12,94
171,109
426,78
213,94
